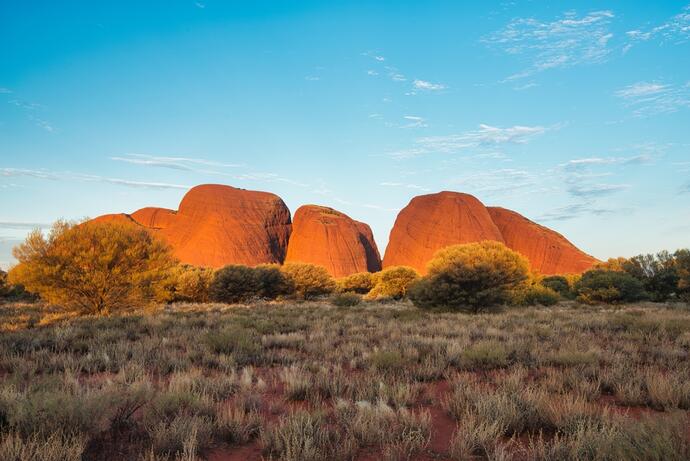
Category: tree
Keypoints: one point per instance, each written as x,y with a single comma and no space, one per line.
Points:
657,273
682,262
308,281
233,284
93,267
360,283
393,282
608,286
471,277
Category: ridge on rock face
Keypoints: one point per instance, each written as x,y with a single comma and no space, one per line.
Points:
434,221
547,250
329,238
218,225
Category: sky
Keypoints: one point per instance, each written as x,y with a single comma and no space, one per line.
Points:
576,116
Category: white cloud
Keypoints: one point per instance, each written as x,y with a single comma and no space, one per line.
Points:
484,136
565,42
199,5
68,176
676,29
175,163
414,122
404,185
424,85
653,98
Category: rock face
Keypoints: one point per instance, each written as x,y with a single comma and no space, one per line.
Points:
434,221
431,222
331,239
218,225
547,250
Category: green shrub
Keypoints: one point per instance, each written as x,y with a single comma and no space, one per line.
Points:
559,284
533,295
271,282
360,283
606,286
233,284
471,277
393,282
346,299
308,281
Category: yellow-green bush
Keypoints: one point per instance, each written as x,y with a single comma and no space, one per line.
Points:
308,281
471,277
93,267
393,282
361,283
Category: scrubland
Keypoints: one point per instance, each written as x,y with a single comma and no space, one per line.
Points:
311,381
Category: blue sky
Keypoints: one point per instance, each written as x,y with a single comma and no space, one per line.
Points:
575,115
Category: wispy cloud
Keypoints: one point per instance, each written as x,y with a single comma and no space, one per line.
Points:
4,90
576,210
569,41
175,163
69,176
414,121
484,136
405,186
652,98
424,85
199,5
14,225
675,29
499,182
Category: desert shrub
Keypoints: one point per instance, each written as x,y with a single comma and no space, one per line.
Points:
51,447
93,267
346,299
393,282
271,282
612,264
559,284
658,274
233,284
191,284
607,286
308,281
244,346
682,259
360,283
470,277
533,295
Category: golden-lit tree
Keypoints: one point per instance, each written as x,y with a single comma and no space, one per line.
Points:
308,281
361,283
93,267
393,282
471,277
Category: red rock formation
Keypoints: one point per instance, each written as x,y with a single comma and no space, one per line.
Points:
434,221
547,250
431,222
218,225
331,239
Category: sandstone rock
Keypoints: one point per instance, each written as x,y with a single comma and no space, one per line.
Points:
329,238
218,225
548,251
431,222
434,221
